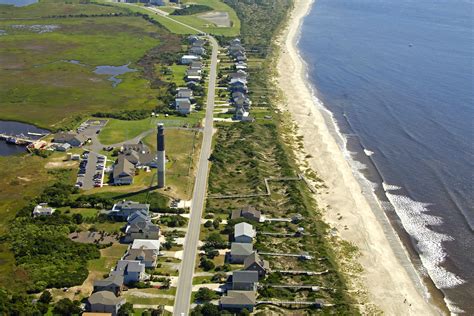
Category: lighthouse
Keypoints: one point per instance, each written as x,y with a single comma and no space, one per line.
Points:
161,158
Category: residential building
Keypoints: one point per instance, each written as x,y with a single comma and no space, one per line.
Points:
141,229
123,172
133,271
63,147
184,93
196,65
193,74
197,50
183,105
244,280
241,114
104,302
43,209
244,233
147,244
124,209
113,283
187,59
146,256
71,138
248,212
254,262
139,155
238,300
239,251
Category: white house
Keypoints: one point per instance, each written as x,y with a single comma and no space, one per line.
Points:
183,105
187,59
244,233
43,209
132,271
146,244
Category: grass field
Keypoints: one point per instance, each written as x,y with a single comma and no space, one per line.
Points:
56,7
50,90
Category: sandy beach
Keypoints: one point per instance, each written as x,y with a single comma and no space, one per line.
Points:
390,279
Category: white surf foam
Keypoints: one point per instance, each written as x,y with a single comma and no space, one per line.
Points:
368,152
416,221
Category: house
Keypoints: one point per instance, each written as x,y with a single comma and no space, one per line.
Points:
158,2
240,57
146,256
183,105
239,74
184,93
138,216
244,233
241,114
238,85
124,209
43,209
239,251
244,280
123,172
141,229
63,147
241,65
248,212
133,271
193,74
254,262
238,300
113,283
235,41
138,154
104,302
198,43
196,65
147,244
192,39
71,138
187,59
197,50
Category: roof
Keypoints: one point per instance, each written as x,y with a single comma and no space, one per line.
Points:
184,93
255,258
141,227
131,205
190,57
193,72
65,137
250,210
138,216
182,102
245,276
130,266
241,249
196,64
239,298
123,167
146,244
112,280
141,254
139,147
244,229
104,298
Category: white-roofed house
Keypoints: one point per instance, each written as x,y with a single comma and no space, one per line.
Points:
244,233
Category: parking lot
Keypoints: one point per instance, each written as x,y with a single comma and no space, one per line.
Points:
91,171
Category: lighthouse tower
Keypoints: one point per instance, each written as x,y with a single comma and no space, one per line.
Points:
161,158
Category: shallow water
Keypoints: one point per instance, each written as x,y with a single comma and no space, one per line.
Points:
16,128
399,79
114,71
18,3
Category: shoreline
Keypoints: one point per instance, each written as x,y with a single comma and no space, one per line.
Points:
390,278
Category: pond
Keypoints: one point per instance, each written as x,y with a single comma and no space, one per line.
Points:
17,129
18,3
114,71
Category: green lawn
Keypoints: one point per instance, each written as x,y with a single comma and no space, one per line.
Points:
50,90
118,131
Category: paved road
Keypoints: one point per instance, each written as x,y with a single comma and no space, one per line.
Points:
185,283
186,271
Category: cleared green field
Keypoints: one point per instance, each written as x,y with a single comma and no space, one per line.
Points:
50,90
194,20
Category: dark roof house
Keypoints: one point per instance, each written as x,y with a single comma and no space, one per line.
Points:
238,300
124,171
248,212
244,280
104,302
113,283
254,262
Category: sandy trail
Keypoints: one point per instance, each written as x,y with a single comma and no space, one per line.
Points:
391,281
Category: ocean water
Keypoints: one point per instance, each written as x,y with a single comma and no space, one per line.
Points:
398,77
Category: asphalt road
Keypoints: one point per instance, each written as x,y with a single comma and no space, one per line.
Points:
182,300
185,281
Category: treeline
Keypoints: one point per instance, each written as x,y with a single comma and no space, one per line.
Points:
260,19
192,9
83,15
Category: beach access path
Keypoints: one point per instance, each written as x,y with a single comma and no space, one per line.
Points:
389,277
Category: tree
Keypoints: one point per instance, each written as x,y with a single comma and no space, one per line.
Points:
126,310
45,297
66,307
78,218
207,265
205,295
206,309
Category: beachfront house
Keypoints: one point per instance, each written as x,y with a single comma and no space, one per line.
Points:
113,283
254,262
187,59
248,212
146,256
104,302
244,233
147,244
238,300
123,209
183,105
133,271
244,280
239,251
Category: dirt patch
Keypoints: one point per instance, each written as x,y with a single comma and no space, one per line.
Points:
93,237
220,19
60,164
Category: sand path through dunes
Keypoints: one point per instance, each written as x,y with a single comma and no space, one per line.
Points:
391,281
